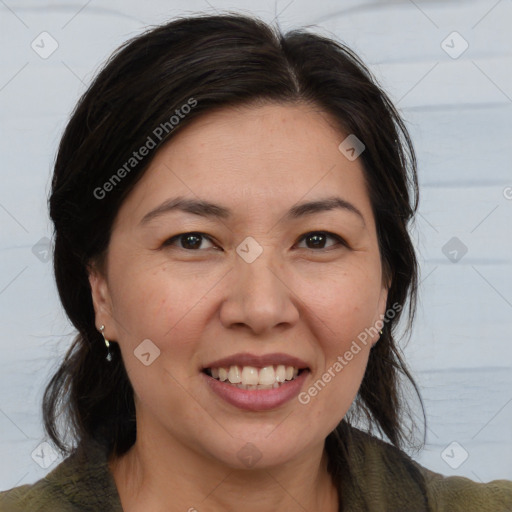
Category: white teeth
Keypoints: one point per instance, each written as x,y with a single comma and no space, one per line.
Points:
223,374
234,375
281,373
267,376
249,377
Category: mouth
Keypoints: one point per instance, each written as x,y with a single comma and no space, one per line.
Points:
256,383
253,378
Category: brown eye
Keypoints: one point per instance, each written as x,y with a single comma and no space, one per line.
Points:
317,239
187,241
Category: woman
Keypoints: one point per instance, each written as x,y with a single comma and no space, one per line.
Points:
231,209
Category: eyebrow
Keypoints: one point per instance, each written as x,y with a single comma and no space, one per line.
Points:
207,209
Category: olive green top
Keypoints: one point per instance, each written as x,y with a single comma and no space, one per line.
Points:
386,480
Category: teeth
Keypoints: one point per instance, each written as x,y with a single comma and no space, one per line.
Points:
234,375
223,374
281,373
267,376
249,377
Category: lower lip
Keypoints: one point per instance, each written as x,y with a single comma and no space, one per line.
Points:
257,399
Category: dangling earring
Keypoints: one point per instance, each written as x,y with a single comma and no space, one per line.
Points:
107,344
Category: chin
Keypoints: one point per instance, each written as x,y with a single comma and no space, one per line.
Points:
257,451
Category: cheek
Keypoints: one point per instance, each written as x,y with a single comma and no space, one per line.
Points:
167,306
345,313
145,294
345,301
157,305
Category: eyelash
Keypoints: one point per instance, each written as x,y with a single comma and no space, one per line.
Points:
170,242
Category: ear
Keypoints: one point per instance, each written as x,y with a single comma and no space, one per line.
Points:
102,301
381,307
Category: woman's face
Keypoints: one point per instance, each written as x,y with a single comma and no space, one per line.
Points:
248,290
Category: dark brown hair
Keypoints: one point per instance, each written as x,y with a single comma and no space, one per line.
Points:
217,61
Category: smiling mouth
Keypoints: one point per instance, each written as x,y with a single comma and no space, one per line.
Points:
250,377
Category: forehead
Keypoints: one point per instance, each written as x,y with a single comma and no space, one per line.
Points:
253,159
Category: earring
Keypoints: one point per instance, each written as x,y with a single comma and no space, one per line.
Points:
107,344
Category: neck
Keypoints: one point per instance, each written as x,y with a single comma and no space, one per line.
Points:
166,476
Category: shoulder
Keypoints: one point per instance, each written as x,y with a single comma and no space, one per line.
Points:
48,493
80,482
34,497
398,478
460,494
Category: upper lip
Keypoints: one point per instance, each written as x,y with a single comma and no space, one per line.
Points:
246,359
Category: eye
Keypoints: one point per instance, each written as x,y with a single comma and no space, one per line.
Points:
188,241
193,240
317,239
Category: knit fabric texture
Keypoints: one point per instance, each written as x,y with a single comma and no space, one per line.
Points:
385,480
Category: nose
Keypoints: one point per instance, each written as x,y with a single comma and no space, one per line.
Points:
260,297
